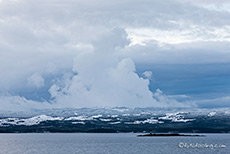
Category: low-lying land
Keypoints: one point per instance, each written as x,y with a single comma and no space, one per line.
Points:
119,120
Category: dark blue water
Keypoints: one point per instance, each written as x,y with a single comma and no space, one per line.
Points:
122,143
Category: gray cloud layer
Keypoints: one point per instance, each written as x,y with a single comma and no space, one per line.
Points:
101,42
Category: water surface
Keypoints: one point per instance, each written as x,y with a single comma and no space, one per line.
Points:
120,143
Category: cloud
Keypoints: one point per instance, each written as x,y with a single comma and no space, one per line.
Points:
185,53
100,45
173,101
190,33
221,102
17,103
36,80
148,74
105,79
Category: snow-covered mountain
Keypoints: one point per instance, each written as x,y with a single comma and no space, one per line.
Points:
119,119
28,121
80,119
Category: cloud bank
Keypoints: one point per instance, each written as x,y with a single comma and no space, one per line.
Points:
104,78
86,53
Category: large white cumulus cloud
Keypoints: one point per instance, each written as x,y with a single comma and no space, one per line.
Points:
104,78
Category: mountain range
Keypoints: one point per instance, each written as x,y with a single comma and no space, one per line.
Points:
117,119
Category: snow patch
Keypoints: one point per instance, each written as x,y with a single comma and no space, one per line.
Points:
125,115
81,118
150,121
120,110
211,114
114,116
175,117
30,121
105,119
78,122
114,123
96,116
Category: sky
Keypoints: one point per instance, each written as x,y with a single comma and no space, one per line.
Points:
105,53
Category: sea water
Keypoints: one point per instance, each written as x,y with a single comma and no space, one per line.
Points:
115,143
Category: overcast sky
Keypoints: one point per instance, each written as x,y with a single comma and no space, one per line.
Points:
134,53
